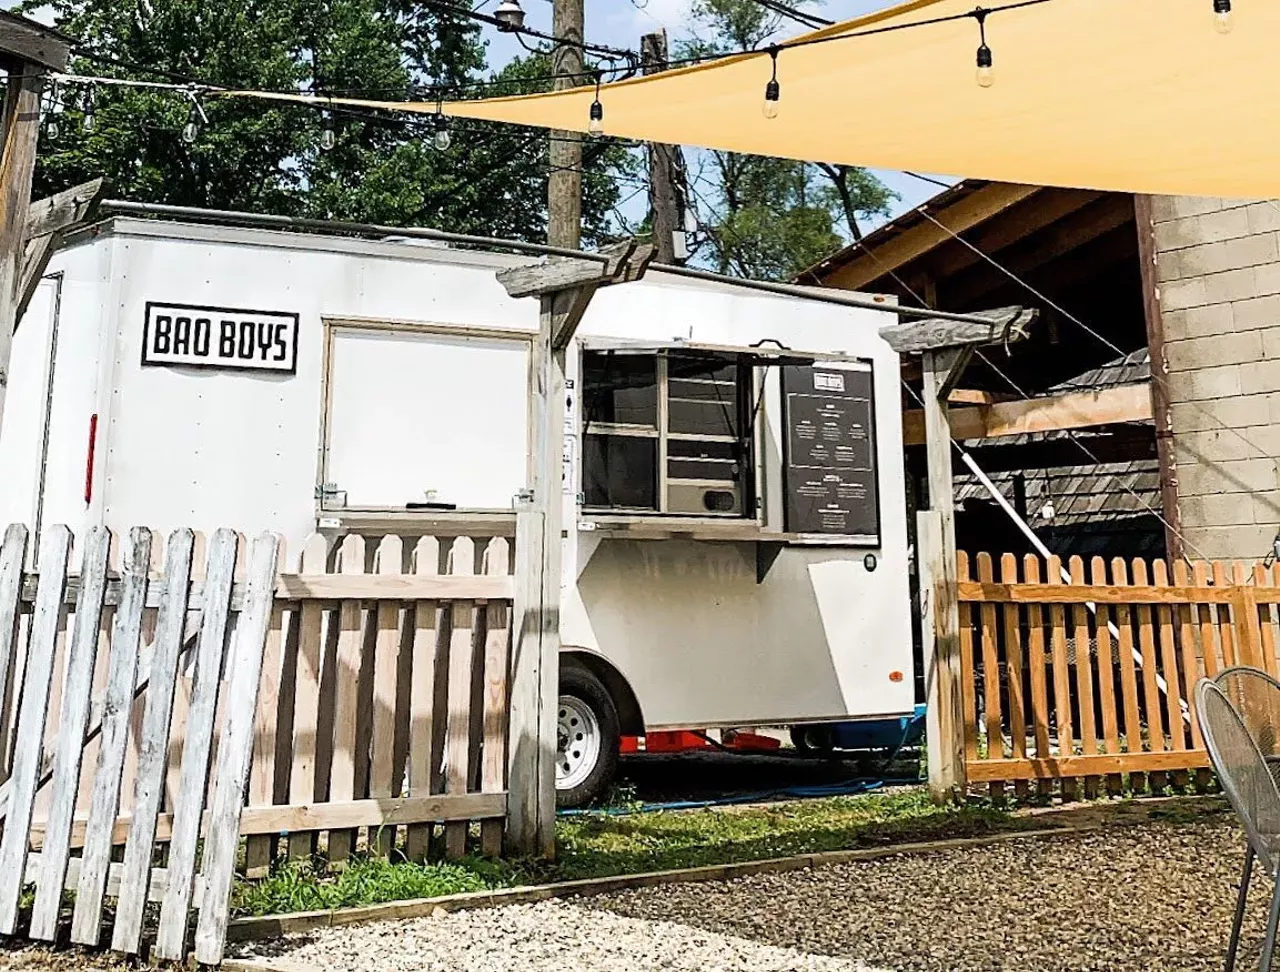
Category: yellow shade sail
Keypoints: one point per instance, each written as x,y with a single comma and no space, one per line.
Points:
1125,95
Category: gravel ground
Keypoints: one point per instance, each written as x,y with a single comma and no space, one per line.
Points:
1126,900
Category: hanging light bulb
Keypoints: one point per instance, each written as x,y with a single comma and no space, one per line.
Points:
442,139
986,73
1222,16
327,136
52,128
196,118
595,124
772,90
509,15
90,120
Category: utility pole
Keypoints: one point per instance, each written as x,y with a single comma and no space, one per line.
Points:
564,187
663,166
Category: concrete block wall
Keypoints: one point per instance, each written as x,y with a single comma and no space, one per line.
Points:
1218,270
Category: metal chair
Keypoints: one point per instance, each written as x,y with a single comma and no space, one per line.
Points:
1256,697
1246,777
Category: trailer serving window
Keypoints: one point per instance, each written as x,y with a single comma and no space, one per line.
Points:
668,431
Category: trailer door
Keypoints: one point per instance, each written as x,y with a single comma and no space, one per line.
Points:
425,416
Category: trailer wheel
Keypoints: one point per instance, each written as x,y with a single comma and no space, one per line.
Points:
813,740
587,737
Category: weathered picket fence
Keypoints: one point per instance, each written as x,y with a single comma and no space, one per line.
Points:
1089,681
358,704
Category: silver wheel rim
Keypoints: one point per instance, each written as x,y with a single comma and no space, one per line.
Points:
577,742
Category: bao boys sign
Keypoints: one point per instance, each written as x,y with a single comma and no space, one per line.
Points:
219,337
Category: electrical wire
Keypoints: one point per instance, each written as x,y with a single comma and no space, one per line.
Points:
801,17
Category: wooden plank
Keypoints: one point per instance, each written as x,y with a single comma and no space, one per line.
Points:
1244,616
384,812
189,806
458,717
63,209
968,673
1262,579
1084,676
149,785
1061,665
427,629
402,587
1150,690
306,715
385,667
37,675
524,765
76,696
1128,670
1068,410
155,892
1169,661
1005,325
1036,664
1014,665
1226,634
342,782
924,236
493,768
86,922
32,41
1204,616
1106,676
259,851
17,164
977,592
1190,664
1066,768
235,751
13,554
991,675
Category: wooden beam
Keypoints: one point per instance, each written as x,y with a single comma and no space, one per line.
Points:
63,210
985,770
1019,222
1071,410
1160,406
623,263
976,396
1006,325
27,40
22,128
968,212
403,587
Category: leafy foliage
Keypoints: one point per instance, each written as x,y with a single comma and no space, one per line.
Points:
265,157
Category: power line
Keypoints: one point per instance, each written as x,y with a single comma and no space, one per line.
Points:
801,17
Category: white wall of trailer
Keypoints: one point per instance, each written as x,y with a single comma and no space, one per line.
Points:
427,397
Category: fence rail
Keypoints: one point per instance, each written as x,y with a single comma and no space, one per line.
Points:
165,694
1083,676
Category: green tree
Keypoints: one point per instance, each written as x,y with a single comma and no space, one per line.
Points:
765,217
266,157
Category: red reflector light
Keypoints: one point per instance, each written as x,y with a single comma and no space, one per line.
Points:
895,676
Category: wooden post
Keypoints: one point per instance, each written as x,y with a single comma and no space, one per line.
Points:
946,751
565,288
663,163
21,132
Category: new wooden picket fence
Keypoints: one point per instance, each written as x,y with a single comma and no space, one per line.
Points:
168,694
1088,681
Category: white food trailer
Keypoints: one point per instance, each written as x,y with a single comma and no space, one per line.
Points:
735,545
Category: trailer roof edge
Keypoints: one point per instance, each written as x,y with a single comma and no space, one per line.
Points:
123,207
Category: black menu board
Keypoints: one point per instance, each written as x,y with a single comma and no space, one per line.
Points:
830,475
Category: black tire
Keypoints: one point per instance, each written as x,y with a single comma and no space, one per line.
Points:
582,685
813,740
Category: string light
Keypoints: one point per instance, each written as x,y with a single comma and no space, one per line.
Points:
1222,16
195,119
595,124
510,16
51,127
986,72
327,137
90,121
442,139
772,90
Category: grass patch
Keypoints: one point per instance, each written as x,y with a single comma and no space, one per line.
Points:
601,845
